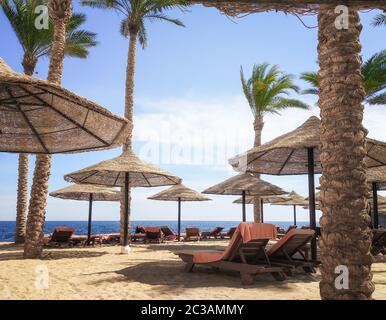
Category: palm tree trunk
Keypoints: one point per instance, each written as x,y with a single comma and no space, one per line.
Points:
29,64
129,105
258,125
60,13
346,238
22,199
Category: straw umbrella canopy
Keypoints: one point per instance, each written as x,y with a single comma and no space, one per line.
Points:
90,193
127,171
41,117
179,193
245,184
297,152
268,199
294,201
376,177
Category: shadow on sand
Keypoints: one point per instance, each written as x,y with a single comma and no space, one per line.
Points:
170,276
51,254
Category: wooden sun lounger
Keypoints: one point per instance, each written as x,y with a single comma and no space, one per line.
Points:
228,234
293,243
60,237
153,234
249,259
379,242
215,233
169,234
192,234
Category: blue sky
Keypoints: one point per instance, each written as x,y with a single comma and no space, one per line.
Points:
188,103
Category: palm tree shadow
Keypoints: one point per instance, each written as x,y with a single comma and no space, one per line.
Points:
170,276
54,255
185,247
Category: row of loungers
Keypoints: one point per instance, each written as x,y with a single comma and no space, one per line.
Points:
250,255
65,236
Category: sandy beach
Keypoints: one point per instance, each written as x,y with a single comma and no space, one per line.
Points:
151,271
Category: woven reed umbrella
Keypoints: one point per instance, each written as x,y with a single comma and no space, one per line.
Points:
90,193
127,171
294,201
41,117
245,184
297,152
377,179
179,193
263,200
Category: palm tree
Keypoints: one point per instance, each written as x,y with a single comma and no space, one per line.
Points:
36,44
346,237
374,79
60,14
379,20
266,93
136,13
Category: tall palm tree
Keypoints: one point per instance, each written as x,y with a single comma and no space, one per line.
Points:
60,14
266,92
136,13
346,237
36,43
374,79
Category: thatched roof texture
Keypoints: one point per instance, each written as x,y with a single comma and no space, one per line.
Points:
243,7
112,173
83,191
294,200
252,185
179,192
378,175
288,155
37,116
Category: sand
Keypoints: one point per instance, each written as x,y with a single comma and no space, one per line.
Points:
150,271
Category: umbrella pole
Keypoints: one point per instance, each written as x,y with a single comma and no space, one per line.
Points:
244,209
179,219
375,206
89,219
311,197
262,210
126,248
294,215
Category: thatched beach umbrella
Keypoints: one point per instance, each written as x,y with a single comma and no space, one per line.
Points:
294,201
263,200
179,193
297,152
90,193
377,179
126,171
41,117
245,184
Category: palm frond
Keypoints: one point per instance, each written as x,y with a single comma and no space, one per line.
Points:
377,100
379,20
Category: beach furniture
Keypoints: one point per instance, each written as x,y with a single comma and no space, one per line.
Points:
229,233
215,233
290,250
379,242
60,237
192,234
154,235
169,234
281,234
245,254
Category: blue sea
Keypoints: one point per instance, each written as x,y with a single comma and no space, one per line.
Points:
7,228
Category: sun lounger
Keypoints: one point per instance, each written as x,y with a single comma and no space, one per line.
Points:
192,234
284,252
60,237
379,242
282,234
245,254
168,233
215,233
229,233
153,234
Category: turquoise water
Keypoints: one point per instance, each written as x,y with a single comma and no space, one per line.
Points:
7,228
